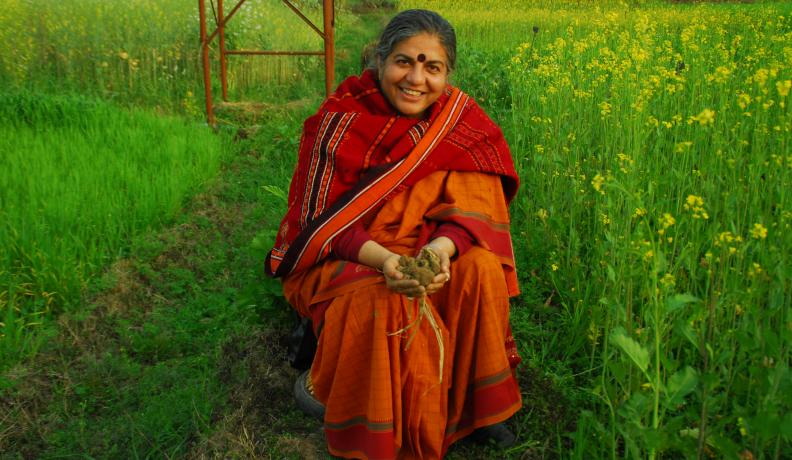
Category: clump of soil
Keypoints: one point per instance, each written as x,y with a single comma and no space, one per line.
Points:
423,268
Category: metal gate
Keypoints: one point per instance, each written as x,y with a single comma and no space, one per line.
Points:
328,11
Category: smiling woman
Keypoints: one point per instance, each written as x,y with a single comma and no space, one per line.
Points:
395,163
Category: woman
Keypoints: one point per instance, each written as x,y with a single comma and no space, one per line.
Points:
394,161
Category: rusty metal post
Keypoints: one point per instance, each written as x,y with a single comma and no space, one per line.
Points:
329,45
223,60
205,61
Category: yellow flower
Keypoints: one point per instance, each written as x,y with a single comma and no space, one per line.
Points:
668,280
760,77
759,232
597,183
542,214
724,238
720,76
667,220
783,87
123,55
625,162
682,146
706,117
743,100
605,108
695,204
554,267
648,255
605,219
755,270
639,212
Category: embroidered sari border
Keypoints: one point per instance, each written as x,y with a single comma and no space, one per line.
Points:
348,441
455,211
501,399
362,421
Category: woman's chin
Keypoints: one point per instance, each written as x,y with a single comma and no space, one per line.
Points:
411,110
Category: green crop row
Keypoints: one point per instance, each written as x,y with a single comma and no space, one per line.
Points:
79,178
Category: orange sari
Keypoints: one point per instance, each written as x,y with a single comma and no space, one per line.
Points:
382,398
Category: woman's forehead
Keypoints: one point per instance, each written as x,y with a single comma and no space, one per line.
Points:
426,45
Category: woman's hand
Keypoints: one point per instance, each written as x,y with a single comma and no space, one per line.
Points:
395,281
445,268
445,249
375,255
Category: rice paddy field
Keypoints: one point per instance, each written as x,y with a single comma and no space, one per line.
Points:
652,229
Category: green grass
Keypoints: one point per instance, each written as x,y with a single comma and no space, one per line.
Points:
80,178
171,343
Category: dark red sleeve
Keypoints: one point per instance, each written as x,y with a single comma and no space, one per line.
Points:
347,245
462,239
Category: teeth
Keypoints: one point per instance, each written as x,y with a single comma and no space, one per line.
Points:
411,92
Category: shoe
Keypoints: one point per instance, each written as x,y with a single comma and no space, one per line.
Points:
498,433
305,398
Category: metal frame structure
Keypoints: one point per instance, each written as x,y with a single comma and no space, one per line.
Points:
327,34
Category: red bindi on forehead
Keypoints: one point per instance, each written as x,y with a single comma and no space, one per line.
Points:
421,57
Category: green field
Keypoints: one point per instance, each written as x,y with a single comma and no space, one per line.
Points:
652,229
656,169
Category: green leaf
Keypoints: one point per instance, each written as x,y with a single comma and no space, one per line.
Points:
687,331
611,273
276,192
638,354
765,424
680,385
786,427
655,439
724,446
678,301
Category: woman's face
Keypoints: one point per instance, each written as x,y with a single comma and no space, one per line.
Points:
415,74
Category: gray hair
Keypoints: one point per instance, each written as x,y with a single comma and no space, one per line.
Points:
410,23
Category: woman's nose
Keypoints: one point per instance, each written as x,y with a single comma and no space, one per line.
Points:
416,76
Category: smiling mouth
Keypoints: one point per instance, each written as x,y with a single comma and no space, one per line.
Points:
411,92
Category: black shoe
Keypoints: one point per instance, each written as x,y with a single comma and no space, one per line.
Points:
305,398
498,433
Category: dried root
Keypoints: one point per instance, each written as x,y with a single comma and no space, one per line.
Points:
423,268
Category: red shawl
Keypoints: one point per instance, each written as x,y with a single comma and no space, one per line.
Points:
356,152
